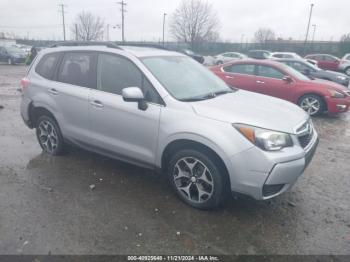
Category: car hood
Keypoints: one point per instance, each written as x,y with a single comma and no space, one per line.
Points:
252,109
333,73
325,84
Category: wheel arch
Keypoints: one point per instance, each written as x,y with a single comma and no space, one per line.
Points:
36,111
315,94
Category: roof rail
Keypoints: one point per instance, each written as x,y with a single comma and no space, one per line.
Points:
86,43
143,45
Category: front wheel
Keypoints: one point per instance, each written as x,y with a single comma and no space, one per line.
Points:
49,135
347,71
312,104
197,179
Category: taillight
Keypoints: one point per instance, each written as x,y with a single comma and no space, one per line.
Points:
24,83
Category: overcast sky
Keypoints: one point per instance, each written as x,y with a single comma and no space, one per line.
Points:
40,19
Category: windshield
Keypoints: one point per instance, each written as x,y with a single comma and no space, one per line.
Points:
295,73
15,50
184,78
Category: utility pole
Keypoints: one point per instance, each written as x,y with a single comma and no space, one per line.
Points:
313,34
76,32
308,24
63,23
164,27
107,34
122,4
242,38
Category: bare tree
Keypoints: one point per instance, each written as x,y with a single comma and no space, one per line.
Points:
262,35
194,21
87,27
345,38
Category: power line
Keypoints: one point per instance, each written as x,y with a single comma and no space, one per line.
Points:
122,4
63,23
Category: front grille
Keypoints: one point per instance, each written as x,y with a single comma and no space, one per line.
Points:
305,139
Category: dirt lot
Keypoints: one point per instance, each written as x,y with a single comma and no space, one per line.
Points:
46,205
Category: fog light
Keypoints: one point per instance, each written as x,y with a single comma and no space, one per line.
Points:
341,107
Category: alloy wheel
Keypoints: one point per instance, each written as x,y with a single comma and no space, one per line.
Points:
347,71
193,179
48,137
311,105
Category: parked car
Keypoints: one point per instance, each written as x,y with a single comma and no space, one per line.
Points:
344,64
12,55
290,55
279,80
164,111
316,72
228,56
259,54
195,56
324,61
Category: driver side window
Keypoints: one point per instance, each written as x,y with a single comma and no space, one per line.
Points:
268,71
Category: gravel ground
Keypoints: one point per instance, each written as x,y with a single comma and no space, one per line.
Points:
47,206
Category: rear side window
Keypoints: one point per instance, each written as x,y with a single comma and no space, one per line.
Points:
46,66
245,69
268,71
77,69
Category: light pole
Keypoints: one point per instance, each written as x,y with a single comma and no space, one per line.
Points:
242,38
313,34
308,24
164,27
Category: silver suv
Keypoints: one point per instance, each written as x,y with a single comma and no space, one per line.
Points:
163,110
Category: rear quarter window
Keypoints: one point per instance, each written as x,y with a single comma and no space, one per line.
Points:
47,64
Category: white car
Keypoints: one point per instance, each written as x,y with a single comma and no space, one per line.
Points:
229,56
291,55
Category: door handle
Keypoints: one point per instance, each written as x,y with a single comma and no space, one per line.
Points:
260,82
229,77
96,103
53,91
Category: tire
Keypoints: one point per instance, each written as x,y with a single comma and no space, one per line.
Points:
49,135
197,179
312,104
347,71
219,62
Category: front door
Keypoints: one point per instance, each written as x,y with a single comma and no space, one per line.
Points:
120,128
240,76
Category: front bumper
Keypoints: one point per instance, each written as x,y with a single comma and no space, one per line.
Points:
264,175
337,105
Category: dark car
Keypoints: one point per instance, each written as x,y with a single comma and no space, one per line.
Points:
12,55
316,72
325,61
197,57
259,54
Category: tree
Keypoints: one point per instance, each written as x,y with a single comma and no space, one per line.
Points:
344,44
193,22
87,27
263,35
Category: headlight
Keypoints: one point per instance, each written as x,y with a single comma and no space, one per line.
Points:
342,78
267,140
336,94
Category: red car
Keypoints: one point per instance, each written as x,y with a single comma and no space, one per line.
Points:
279,80
324,61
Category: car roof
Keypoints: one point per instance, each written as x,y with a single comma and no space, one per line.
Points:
253,61
136,51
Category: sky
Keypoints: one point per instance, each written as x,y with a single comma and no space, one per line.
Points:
41,19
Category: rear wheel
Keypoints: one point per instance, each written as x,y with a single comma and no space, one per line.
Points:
197,179
312,104
49,135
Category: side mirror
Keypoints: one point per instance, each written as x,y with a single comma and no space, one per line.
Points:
287,79
134,94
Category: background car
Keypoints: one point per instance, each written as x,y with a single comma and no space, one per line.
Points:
194,55
12,55
279,80
291,55
325,61
259,54
344,65
229,56
316,72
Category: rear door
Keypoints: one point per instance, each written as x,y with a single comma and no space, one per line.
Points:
330,62
120,128
240,75
269,81
76,75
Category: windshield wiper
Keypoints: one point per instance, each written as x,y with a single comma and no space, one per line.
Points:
207,96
